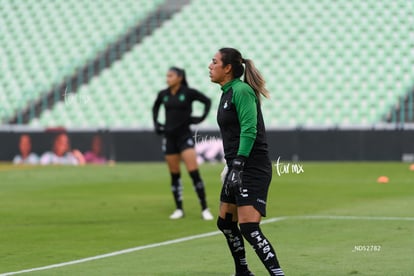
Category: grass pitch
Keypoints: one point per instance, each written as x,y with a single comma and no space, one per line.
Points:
50,215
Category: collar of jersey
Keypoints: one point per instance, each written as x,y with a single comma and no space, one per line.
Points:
227,86
178,91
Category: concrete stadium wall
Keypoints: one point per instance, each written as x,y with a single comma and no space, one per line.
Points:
318,145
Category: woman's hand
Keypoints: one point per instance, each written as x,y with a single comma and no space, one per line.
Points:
79,156
159,129
235,177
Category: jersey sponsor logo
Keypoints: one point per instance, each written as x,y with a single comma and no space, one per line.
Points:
226,105
263,244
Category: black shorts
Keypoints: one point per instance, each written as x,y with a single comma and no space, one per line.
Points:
257,175
175,144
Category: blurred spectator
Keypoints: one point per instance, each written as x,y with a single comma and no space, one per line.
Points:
61,153
25,148
95,155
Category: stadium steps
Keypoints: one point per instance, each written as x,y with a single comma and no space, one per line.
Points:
103,60
44,42
403,111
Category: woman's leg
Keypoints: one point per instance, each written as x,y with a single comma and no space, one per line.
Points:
173,162
189,157
227,223
249,219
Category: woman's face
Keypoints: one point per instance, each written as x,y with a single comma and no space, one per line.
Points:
61,145
217,72
96,145
173,79
25,145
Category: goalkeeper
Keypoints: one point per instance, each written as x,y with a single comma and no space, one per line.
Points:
244,193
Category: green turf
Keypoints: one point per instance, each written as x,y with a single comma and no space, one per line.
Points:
50,215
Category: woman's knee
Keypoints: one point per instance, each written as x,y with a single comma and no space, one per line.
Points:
173,162
247,214
189,157
228,208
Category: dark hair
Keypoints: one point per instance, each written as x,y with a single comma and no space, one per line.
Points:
252,76
181,73
60,133
24,135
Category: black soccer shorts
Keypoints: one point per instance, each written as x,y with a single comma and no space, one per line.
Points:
257,175
177,143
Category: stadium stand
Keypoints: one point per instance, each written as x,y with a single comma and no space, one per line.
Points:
45,41
327,63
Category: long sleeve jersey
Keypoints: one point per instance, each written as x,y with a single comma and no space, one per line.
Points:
178,108
240,119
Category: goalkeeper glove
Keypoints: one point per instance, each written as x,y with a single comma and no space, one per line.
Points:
235,177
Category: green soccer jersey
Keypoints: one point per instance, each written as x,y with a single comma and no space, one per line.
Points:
240,119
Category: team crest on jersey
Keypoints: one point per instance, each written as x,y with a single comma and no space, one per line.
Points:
165,99
226,104
181,97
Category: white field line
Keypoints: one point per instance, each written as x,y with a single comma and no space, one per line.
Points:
354,218
200,236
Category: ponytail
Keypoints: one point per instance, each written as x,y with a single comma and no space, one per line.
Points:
252,76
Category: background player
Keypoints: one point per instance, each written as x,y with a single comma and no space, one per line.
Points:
244,193
178,142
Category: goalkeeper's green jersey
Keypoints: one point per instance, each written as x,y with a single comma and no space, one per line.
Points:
240,119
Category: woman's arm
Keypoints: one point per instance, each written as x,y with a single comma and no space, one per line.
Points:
79,157
198,96
159,128
156,109
246,107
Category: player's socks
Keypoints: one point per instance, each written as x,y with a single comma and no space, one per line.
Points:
177,190
199,188
252,233
235,243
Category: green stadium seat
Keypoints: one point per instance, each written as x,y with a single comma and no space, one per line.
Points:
45,41
325,62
